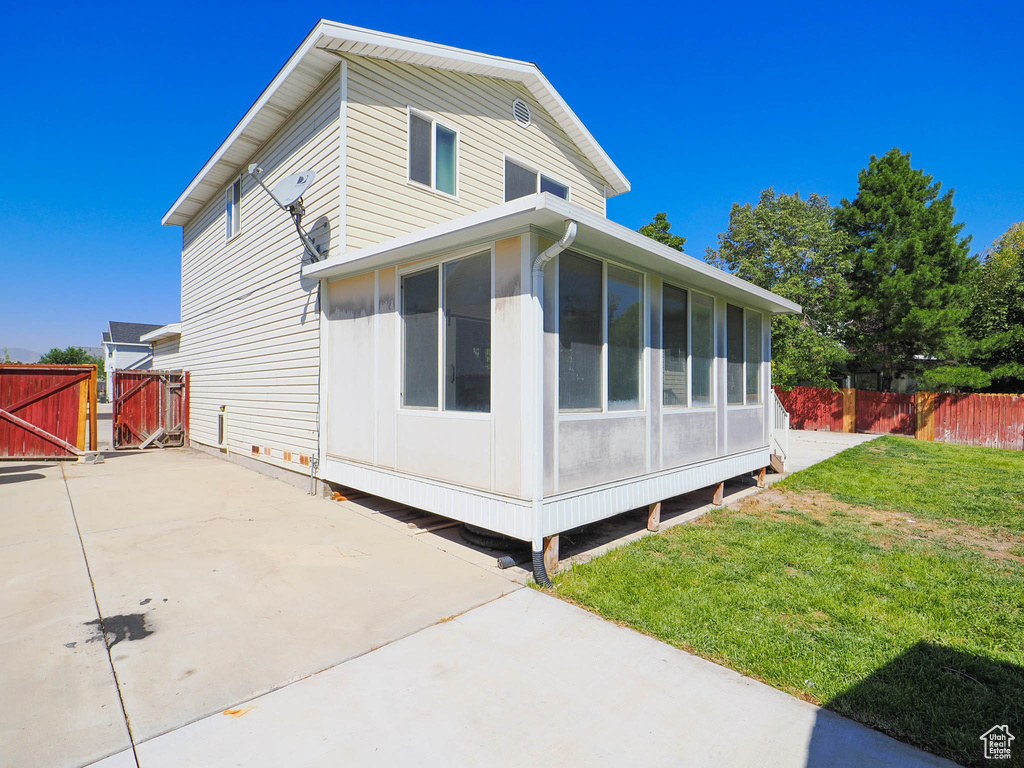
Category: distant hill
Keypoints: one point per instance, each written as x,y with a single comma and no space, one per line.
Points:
20,355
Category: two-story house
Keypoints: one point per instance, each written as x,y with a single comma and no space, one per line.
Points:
475,337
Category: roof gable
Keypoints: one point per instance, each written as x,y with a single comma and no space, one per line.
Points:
318,56
128,333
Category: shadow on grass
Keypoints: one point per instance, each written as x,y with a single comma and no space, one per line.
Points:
938,699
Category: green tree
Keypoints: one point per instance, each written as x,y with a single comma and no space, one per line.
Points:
658,230
991,352
73,356
7,356
910,268
791,247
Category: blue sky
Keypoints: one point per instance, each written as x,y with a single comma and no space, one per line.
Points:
109,110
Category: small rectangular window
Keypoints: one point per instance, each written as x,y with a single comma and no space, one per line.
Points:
674,346
625,338
433,154
734,342
419,313
233,208
752,359
467,348
702,350
521,181
552,186
419,149
579,332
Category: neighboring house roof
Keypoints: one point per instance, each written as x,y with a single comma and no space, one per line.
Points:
549,213
165,332
128,333
303,73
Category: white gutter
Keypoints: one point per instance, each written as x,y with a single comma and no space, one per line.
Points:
540,575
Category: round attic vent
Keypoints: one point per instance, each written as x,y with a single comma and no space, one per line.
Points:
521,112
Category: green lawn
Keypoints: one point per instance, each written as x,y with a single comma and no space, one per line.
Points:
905,612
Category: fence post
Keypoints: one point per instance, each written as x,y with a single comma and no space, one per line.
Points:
849,410
925,423
92,409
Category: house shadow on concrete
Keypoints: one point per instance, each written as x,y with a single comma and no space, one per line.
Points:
938,699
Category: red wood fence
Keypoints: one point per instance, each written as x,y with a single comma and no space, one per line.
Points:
886,413
47,411
150,407
813,408
994,421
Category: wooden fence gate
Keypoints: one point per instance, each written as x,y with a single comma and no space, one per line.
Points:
886,413
150,408
813,408
47,411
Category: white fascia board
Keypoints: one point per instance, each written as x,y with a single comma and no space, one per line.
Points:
549,213
173,217
168,331
397,48
447,235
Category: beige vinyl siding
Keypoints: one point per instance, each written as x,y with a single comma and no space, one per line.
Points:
381,202
250,324
167,354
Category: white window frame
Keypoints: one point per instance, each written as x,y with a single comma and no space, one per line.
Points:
233,211
438,264
690,293
533,169
603,410
434,122
760,372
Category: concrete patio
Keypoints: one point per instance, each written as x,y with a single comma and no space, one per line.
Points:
251,624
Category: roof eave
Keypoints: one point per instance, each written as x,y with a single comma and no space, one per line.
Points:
548,213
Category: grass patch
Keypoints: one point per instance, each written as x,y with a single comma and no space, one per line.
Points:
980,486
843,596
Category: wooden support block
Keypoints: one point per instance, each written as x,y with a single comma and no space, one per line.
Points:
778,465
654,516
760,477
550,554
719,494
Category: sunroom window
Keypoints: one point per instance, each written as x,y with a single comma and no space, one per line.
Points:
599,306
459,292
743,333
433,154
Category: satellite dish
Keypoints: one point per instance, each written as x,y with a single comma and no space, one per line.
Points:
291,188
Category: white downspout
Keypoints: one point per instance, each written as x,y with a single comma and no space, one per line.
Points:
539,572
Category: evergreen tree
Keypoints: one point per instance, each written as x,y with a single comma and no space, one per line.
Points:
790,246
658,230
910,268
991,354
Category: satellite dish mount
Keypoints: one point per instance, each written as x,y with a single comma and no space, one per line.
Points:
287,193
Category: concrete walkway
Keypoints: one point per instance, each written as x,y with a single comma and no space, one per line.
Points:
526,680
215,584
807,448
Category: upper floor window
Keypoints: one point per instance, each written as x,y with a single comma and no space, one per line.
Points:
446,313
600,307
233,208
688,347
433,154
743,336
520,181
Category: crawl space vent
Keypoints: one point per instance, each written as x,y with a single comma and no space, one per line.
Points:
521,112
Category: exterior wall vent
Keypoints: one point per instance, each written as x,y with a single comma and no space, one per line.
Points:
521,112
